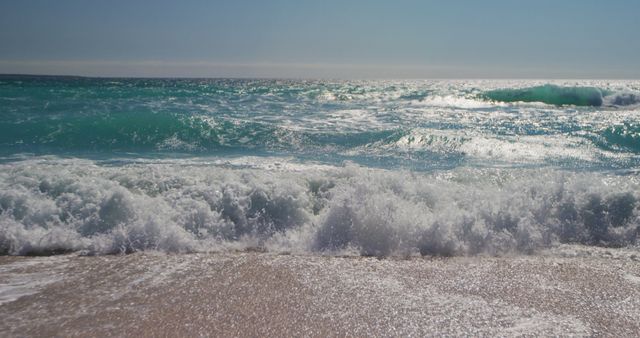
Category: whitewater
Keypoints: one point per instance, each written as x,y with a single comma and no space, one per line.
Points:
372,168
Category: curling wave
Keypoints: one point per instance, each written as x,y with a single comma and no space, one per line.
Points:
550,94
559,95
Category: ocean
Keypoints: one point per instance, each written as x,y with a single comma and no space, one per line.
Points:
372,168
228,207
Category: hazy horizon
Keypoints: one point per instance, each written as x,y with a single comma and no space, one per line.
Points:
205,70
300,72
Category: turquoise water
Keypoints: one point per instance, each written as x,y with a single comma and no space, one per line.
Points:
377,167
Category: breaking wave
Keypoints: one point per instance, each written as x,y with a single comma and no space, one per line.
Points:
558,95
622,99
51,205
550,94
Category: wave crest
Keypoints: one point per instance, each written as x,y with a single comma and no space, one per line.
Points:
550,94
558,95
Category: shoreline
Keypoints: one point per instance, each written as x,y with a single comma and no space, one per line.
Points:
570,292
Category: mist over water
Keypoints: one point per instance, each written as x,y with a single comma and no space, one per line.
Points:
369,167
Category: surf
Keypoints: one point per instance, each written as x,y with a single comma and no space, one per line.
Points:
58,205
581,96
375,168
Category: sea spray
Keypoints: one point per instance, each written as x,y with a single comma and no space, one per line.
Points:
53,205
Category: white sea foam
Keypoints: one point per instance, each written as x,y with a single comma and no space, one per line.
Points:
49,205
486,148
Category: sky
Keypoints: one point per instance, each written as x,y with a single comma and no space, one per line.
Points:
322,38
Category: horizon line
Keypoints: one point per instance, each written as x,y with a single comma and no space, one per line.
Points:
159,77
270,70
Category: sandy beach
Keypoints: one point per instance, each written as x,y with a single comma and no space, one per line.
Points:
574,291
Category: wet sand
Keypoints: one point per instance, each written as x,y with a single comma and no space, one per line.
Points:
575,291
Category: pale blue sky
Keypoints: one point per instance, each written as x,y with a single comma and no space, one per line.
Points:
328,38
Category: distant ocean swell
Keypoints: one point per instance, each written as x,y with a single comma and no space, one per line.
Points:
49,206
